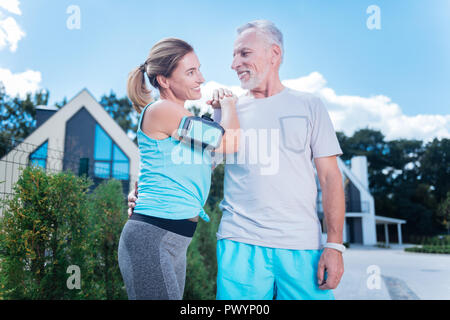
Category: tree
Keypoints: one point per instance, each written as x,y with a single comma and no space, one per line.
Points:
435,167
444,213
17,117
121,110
406,178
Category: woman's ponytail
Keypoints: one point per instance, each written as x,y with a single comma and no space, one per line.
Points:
137,90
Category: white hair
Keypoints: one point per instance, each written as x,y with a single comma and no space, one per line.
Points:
268,28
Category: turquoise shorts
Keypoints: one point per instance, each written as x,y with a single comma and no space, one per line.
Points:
250,272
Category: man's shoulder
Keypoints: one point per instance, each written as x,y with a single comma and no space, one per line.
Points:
301,95
295,96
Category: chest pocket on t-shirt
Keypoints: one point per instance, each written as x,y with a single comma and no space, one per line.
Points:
294,132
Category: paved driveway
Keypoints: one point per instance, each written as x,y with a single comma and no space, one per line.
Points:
392,274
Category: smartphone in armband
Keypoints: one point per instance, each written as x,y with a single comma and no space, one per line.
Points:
201,131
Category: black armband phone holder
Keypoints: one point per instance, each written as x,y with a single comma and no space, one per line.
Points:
202,131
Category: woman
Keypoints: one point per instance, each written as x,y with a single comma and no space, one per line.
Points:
154,241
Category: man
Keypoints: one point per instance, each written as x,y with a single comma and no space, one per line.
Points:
269,238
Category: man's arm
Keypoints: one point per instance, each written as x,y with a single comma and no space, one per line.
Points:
333,201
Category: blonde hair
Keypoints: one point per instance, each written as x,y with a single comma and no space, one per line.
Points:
162,60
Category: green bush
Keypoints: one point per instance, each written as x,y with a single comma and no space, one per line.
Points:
436,240
43,231
107,218
51,223
430,249
201,271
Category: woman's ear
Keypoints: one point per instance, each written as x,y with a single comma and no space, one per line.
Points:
162,81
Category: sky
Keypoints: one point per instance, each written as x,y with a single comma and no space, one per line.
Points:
378,64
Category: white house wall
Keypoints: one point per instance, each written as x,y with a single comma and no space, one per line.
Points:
369,235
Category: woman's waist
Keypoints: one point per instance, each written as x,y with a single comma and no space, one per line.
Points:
185,227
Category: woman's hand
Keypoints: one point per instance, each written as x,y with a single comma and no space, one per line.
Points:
222,98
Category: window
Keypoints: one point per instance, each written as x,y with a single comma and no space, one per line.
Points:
109,160
120,164
39,156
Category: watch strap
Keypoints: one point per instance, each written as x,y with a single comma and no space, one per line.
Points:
336,246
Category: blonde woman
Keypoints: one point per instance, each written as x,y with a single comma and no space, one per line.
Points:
154,241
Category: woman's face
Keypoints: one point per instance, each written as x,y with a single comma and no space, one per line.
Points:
186,79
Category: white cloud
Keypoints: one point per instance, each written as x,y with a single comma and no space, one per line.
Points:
350,113
10,34
10,31
20,83
11,6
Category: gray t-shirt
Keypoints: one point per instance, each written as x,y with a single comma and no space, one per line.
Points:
270,188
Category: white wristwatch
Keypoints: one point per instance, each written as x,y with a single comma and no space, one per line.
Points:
337,246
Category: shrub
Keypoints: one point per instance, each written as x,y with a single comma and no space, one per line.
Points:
51,223
430,249
201,271
107,218
43,231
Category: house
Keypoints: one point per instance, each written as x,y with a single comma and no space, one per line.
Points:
360,218
81,137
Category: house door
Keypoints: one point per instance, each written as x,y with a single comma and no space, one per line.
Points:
354,229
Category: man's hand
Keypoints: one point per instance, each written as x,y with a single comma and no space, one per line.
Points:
132,197
332,261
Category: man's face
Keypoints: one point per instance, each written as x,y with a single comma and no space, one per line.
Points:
251,59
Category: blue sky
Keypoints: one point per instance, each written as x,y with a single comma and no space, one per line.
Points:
407,60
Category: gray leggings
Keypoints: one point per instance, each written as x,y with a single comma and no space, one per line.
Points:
152,261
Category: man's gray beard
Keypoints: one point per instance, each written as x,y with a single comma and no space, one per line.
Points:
254,81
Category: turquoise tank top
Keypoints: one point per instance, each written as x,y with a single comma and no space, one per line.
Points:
174,177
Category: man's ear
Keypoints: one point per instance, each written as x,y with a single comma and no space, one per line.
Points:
162,81
276,54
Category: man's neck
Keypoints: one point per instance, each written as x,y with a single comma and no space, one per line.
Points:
267,89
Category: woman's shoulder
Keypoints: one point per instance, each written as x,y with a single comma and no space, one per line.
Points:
164,117
167,108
